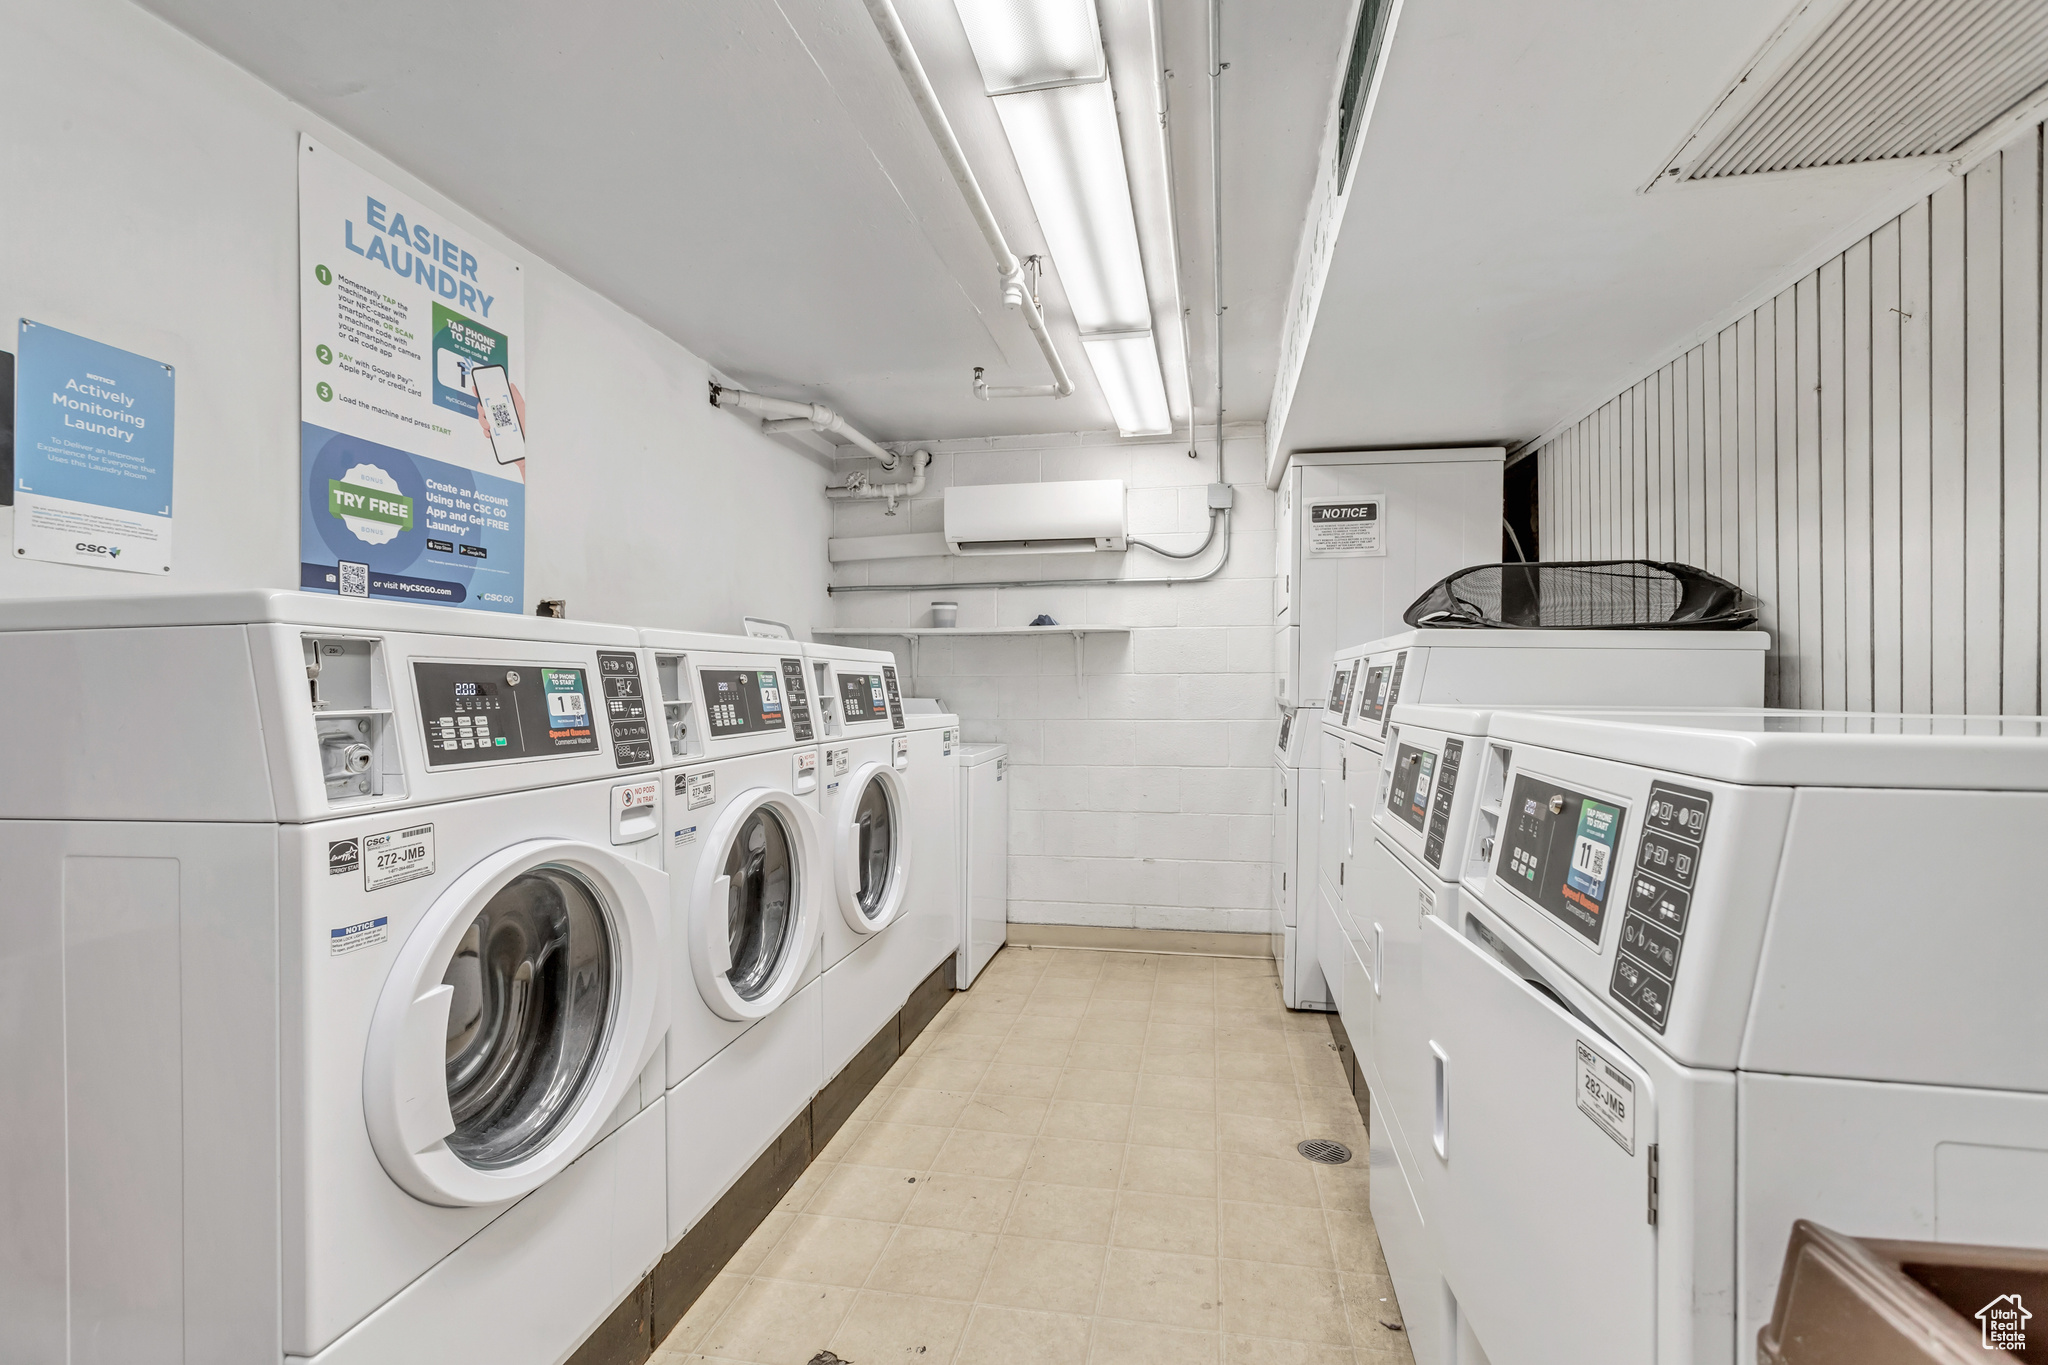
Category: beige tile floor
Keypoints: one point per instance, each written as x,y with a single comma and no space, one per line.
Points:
1088,1159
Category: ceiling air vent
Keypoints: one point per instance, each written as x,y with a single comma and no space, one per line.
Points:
1847,81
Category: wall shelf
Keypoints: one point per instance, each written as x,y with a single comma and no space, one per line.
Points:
914,634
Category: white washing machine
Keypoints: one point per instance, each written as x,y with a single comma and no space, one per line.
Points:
886,809
1716,971
749,881
335,967
984,805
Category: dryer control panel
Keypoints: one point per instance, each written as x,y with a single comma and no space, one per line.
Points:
1557,848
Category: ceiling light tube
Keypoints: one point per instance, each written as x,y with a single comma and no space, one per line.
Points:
1043,65
1126,365
1021,44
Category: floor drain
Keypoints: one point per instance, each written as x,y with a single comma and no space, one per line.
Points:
1324,1150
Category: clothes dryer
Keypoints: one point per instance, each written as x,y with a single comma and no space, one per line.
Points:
1297,750
1483,668
335,970
1389,806
1716,971
749,876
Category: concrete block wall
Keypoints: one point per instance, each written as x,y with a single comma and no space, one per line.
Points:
1142,775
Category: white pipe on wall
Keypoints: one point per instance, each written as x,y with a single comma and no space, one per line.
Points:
1009,270
785,414
858,486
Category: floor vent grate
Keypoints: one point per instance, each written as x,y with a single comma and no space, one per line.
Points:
1324,1151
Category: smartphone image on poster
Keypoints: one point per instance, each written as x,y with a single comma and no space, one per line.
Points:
494,393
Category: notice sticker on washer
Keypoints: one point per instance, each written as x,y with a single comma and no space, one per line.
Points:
697,789
686,835
354,937
838,761
1607,1096
396,856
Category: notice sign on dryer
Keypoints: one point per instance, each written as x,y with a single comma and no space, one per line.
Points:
396,856
1348,528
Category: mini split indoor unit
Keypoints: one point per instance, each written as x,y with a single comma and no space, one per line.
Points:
1036,518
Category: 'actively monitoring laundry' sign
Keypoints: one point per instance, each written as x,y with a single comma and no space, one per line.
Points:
1347,527
406,321
92,453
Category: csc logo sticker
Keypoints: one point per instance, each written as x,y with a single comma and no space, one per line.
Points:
110,551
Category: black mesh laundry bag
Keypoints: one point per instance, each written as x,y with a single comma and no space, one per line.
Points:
1593,594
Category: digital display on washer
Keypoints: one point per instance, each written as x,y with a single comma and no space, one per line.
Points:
1408,791
862,697
741,701
1557,848
481,713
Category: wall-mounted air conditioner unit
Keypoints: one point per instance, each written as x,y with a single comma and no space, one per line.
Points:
1036,518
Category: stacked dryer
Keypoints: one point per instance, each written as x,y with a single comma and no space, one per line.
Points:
749,878
335,966
1710,973
1360,534
887,809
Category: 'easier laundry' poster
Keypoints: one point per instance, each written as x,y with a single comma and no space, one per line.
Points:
402,491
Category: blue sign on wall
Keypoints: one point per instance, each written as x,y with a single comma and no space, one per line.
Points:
92,453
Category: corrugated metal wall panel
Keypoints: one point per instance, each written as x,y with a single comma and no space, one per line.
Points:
1863,452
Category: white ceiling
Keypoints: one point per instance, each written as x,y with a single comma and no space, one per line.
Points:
749,177
1498,271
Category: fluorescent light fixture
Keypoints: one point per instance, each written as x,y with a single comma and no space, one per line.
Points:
1043,64
1066,144
1023,43
1127,367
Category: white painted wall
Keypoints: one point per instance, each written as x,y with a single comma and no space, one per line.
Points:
151,201
1142,785
1863,452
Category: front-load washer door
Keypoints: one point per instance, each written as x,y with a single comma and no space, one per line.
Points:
872,861
520,1010
753,915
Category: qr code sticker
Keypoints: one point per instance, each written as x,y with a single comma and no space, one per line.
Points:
354,579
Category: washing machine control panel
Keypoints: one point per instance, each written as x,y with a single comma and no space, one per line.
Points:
489,712
741,701
862,698
1557,848
1659,901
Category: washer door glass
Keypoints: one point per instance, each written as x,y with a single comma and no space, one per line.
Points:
874,824
760,904
534,985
